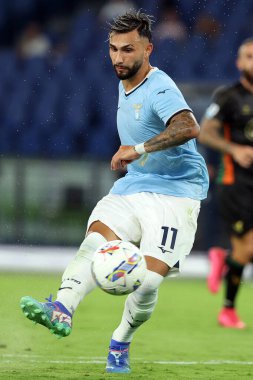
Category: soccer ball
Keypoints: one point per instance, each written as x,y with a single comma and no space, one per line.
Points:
118,267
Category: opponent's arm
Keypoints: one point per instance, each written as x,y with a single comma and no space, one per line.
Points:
210,135
180,128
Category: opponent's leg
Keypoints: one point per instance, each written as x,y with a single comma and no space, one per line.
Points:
228,316
217,258
240,256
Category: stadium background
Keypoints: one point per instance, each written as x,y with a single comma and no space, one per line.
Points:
58,98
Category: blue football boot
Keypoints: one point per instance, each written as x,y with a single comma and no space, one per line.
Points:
118,357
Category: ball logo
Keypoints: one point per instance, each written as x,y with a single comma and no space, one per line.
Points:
118,267
109,250
125,267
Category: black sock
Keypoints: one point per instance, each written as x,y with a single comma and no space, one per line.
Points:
232,281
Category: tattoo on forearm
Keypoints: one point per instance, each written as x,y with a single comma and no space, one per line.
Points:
182,127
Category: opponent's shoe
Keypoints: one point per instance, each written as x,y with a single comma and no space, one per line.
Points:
229,318
118,358
52,315
218,266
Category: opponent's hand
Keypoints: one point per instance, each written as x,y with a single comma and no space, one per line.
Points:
243,155
125,155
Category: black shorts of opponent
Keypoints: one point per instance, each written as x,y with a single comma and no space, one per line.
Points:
236,207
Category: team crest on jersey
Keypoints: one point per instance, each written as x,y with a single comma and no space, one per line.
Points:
137,110
246,110
248,130
238,226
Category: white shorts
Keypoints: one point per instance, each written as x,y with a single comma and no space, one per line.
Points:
162,226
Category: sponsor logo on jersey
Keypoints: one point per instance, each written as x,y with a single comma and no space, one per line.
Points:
238,226
163,92
246,110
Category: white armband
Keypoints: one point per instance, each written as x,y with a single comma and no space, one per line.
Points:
140,149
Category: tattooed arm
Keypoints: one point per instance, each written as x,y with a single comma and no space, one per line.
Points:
180,128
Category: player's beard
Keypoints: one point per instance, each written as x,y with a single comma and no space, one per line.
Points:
248,76
130,72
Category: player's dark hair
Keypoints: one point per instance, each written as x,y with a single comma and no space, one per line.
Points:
133,20
248,40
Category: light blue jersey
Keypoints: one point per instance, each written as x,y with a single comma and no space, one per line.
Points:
142,114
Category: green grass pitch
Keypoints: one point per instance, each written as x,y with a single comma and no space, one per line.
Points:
181,341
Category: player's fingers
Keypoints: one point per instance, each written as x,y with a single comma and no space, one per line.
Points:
124,163
115,164
246,163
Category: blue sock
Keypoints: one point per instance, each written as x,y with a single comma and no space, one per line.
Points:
114,345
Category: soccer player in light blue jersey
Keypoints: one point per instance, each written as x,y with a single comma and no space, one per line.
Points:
155,205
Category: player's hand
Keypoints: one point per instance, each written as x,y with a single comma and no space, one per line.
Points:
124,156
243,155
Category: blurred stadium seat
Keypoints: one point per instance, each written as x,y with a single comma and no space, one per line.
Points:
64,105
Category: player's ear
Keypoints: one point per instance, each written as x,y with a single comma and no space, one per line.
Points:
148,50
239,63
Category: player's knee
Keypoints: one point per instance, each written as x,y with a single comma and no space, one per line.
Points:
146,295
150,284
90,244
82,261
248,249
244,255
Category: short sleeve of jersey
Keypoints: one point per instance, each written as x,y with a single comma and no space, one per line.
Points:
166,102
221,105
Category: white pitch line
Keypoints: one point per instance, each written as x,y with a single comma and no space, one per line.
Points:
102,360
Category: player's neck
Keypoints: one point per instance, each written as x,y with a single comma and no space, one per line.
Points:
129,84
246,84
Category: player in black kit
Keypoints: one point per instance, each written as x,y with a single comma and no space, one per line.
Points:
227,126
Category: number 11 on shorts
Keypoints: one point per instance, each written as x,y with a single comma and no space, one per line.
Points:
172,233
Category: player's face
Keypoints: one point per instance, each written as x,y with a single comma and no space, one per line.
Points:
128,52
245,61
